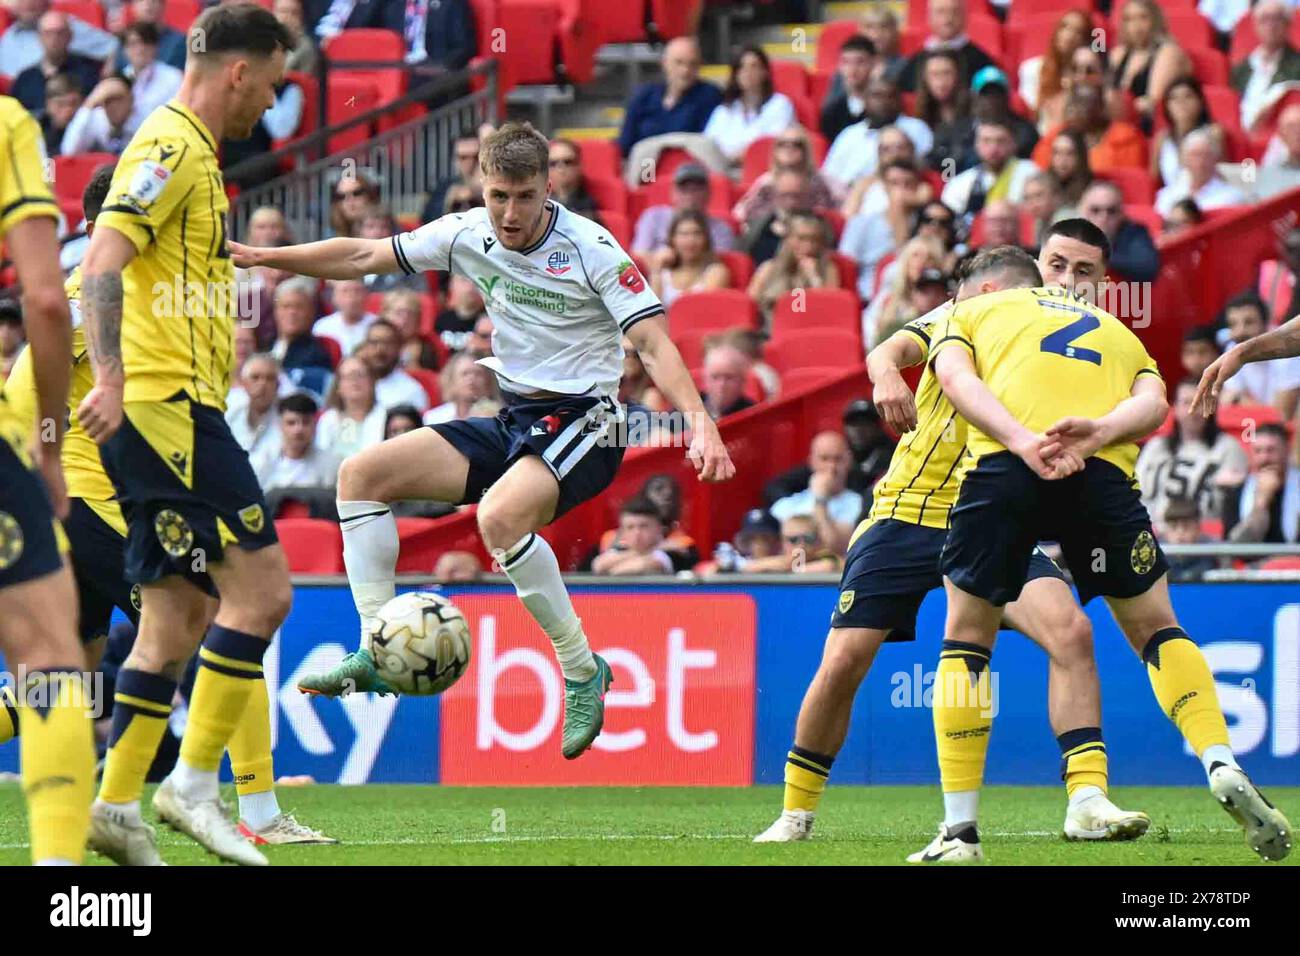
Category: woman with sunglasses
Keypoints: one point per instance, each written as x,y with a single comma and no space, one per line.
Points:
750,106
1086,66
790,150
568,186
353,196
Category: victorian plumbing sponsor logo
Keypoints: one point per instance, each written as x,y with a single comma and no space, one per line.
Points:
73,909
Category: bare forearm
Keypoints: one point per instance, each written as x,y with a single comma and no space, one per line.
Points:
669,373
338,258
1282,342
1132,419
1251,528
101,306
889,357
49,333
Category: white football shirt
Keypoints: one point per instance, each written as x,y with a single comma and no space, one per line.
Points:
559,308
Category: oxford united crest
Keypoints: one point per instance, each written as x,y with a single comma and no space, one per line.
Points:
1143,555
174,533
11,540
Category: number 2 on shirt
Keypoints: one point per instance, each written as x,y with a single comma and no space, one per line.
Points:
1061,341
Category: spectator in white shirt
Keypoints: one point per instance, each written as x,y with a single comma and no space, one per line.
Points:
827,499
252,421
464,384
353,418
1199,177
854,152
153,82
1275,382
20,45
999,175
297,463
382,351
1273,61
103,123
349,323
750,108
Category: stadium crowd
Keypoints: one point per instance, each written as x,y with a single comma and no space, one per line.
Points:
907,165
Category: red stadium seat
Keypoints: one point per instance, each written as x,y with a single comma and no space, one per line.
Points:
622,22
608,191
601,157
578,36
984,31
1208,66
180,14
712,309
819,86
414,559
1289,562
690,343
790,77
72,173
72,214
848,271
312,545
1146,216
1224,104
816,310
618,226
1031,10
833,218
349,97
1188,27
1137,185
798,379
1031,35
1245,39
332,346
310,106
740,265
530,51
830,40
365,44
669,18
429,382
806,112
87,10
814,348
1234,418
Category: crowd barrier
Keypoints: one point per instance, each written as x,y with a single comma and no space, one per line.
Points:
709,680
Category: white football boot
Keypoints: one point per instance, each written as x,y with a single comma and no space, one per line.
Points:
125,841
281,831
1096,818
959,846
790,826
206,821
1267,830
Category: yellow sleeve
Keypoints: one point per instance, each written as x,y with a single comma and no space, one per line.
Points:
957,329
24,192
1149,367
151,181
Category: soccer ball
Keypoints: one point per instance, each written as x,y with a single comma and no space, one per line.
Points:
420,643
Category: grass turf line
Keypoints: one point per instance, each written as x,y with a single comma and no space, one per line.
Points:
408,824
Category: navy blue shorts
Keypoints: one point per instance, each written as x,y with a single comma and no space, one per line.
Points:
99,565
1004,509
29,545
578,439
890,569
186,489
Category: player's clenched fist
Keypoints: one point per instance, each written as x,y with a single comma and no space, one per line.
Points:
100,413
895,402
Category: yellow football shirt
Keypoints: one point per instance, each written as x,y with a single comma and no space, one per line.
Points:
178,310
925,471
82,469
24,193
1046,355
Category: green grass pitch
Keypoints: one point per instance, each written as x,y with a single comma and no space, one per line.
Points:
403,825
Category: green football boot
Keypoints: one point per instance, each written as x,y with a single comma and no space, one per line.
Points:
356,672
584,710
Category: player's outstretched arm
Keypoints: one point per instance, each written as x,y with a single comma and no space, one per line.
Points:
34,246
1282,342
100,412
980,407
1132,419
893,399
338,258
669,373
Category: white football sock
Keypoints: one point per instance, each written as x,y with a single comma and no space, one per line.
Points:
258,809
531,567
1218,753
370,549
55,861
960,806
194,784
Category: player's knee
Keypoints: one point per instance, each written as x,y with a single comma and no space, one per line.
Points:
498,528
359,480
1073,640
844,663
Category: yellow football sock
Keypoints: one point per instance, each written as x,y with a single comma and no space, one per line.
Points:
805,778
230,666
250,745
8,715
58,755
1083,759
1184,687
963,715
142,703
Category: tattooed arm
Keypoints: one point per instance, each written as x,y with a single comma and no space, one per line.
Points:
1282,342
101,308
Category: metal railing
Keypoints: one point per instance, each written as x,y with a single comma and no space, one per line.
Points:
407,161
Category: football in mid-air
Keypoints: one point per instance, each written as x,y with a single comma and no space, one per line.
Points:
420,643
